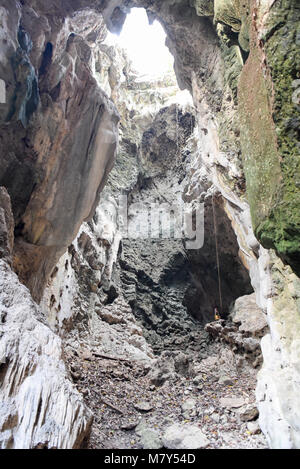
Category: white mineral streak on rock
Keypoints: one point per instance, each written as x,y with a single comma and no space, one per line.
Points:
38,403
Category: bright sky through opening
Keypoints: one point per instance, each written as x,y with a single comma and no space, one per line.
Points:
145,44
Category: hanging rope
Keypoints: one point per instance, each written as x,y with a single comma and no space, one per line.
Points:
217,253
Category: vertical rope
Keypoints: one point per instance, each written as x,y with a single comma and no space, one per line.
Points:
217,254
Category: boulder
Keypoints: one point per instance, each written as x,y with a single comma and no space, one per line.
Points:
225,380
248,316
150,439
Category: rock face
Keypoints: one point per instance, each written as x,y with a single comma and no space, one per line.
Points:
106,287
85,284
80,305
6,227
248,316
85,292
168,365
58,142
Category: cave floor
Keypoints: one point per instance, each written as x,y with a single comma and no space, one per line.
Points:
130,412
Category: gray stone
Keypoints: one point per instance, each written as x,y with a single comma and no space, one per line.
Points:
204,7
225,380
253,427
215,417
27,341
141,427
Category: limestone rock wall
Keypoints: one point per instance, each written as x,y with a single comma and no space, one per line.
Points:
273,180
80,303
7,226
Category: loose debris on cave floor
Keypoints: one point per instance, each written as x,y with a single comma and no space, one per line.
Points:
209,403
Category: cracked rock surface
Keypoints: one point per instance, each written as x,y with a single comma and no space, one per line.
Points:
183,411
